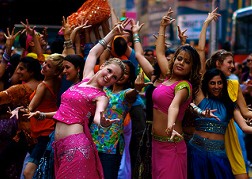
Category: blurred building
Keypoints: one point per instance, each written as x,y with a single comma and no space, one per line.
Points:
189,14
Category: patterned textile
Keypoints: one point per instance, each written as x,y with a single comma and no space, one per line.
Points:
76,155
107,140
79,156
95,11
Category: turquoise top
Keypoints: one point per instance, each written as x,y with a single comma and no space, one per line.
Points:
211,124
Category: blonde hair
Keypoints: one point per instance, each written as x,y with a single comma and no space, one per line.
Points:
57,60
116,61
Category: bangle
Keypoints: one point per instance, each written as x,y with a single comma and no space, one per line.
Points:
104,128
103,43
109,48
197,110
68,44
136,40
161,34
6,57
41,116
135,36
136,90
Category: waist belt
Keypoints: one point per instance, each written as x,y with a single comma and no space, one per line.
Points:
166,138
206,144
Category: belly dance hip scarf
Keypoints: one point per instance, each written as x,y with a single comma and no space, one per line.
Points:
206,144
166,138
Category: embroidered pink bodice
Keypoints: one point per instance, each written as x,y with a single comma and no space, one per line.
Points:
163,95
78,104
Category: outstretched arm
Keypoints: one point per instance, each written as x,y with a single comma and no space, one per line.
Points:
242,122
36,37
97,50
144,63
202,38
10,38
160,43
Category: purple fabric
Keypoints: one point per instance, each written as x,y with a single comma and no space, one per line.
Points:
8,127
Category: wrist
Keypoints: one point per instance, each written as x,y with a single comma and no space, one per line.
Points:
136,90
103,127
41,116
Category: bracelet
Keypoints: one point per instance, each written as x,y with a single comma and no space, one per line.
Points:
161,34
135,35
104,128
6,57
109,48
41,116
136,40
197,110
137,90
68,44
103,43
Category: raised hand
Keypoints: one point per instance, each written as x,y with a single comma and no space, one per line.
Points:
167,19
182,36
30,30
136,27
10,37
119,28
212,16
139,82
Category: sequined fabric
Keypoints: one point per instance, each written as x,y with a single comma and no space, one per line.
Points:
206,144
76,157
95,11
211,126
78,104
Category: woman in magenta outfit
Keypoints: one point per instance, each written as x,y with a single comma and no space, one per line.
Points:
76,155
170,100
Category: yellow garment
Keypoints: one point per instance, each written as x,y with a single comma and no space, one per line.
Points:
232,144
34,55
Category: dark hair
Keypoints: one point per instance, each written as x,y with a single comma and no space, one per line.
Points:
132,74
169,51
224,98
120,46
57,44
33,65
148,50
77,61
130,37
22,40
194,76
157,70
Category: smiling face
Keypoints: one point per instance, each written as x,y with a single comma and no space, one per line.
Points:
109,74
48,68
215,86
124,79
182,64
226,66
70,71
22,72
